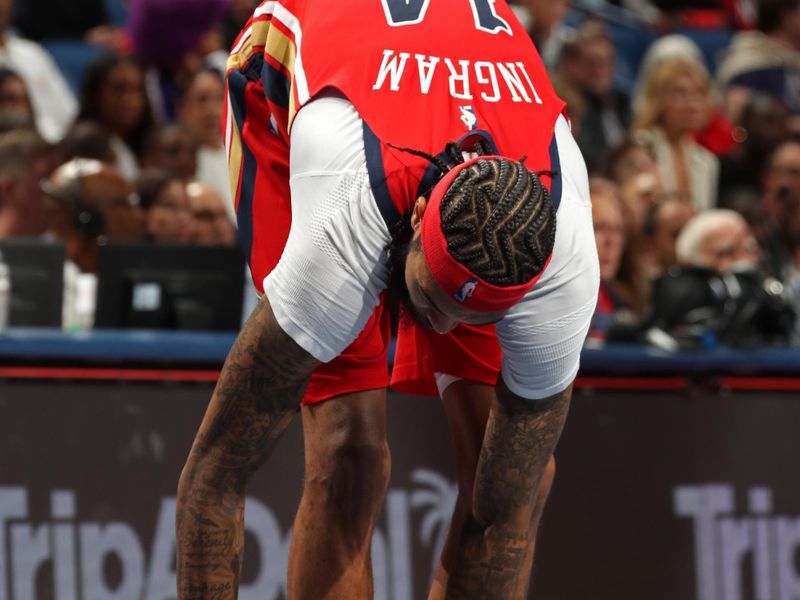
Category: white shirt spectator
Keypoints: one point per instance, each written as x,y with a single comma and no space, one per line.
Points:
212,168
54,105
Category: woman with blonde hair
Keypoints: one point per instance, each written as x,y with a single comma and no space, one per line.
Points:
676,101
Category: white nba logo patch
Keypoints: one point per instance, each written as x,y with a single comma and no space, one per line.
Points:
466,290
468,117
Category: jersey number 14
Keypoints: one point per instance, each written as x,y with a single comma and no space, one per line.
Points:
410,12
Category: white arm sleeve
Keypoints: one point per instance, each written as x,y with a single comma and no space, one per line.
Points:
542,336
333,268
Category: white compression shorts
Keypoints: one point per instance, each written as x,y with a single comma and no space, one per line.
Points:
333,268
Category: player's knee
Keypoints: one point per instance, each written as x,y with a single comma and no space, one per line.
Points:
365,462
355,468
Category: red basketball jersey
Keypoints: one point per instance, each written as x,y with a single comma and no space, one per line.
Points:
421,73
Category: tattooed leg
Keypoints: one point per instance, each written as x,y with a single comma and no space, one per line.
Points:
258,392
467,405
495,538
346,475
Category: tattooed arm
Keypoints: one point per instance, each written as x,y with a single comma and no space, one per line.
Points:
520,438
258,392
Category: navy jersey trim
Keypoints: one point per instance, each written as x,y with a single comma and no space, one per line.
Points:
276,85
237,86
557,184
377,178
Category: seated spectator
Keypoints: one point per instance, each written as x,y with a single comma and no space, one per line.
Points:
632,167
169,36
576,106
212,227
14,99
776,221
629,158
544,20
663,223
200,109
587,62
718,294
54,106
87,201
167,214
113,95
623,288
767,60
172,147
676,101
86,139
716,135
25,158
762,126
718,239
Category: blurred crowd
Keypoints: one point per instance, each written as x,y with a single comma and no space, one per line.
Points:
688,115
110,125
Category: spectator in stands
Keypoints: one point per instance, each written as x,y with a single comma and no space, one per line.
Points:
716,135
762,126
113,95
24,159
172,147
88,201
629,158
212,226
168,37
640,193
545,25
718,239
662,225
676,101
632,167
767,60
200,109
14,97
718,295
86,139
167,214
587,62
776,222
623,287
54,105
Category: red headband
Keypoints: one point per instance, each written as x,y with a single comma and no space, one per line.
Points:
454,278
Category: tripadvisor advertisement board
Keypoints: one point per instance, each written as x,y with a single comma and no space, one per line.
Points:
659,495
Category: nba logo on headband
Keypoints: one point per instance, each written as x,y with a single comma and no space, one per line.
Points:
466,290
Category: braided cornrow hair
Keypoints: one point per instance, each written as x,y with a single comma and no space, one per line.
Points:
499,221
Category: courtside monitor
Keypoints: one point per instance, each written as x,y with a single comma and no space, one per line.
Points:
37,280
165,286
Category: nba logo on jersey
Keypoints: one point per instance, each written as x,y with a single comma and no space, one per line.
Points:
466,290
468,117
